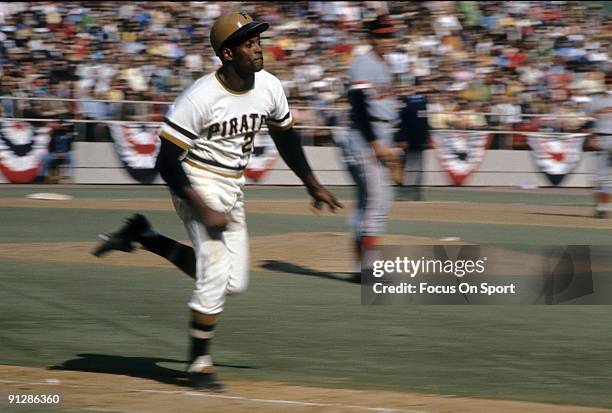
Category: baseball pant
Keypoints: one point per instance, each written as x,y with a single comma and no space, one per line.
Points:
374,190
602,176
222,258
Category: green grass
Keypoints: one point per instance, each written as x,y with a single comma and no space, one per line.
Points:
47,225
304,330
298,192
91,191
525,197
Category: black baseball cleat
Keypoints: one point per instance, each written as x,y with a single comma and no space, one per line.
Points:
205,381
122,239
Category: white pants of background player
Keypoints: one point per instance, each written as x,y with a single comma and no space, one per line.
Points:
602,176
374,190
222,265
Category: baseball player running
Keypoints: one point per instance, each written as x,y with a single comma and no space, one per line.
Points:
366,145
207,138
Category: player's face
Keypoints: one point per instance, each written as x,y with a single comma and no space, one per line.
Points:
248,56
384,45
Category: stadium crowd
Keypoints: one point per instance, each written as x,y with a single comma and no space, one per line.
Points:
508,58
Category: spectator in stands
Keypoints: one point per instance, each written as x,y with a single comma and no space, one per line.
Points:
524,50
59,157
507,115
412,135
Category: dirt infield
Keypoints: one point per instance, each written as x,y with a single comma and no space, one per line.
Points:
321,251
129,394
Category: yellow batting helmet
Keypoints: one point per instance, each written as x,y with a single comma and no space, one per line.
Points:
231,28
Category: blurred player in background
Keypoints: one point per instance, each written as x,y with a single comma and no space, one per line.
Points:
60,153
412,135
367,146
207,139
600,108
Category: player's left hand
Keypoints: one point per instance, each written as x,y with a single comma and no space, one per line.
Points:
322,197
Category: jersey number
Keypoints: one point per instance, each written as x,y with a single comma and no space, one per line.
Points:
248,142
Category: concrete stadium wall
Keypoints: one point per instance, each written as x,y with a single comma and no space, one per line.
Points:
97,163
500,168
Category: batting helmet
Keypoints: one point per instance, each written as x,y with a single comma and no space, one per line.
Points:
231,28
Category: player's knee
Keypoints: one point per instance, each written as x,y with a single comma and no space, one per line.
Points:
207,305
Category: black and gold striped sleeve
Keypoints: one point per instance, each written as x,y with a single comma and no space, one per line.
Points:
181,124
286,122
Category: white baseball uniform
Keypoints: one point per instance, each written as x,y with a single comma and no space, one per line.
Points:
216,126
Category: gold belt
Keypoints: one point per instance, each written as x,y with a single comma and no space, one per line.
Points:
223,174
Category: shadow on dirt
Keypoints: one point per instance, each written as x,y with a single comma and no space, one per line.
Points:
281,266
141,367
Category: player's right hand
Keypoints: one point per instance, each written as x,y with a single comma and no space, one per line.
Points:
213,219
321,197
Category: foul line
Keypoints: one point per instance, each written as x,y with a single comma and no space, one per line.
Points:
280,401
242,398
46,383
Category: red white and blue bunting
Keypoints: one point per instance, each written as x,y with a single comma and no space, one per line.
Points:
137,146
22,149
460,153
556,157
